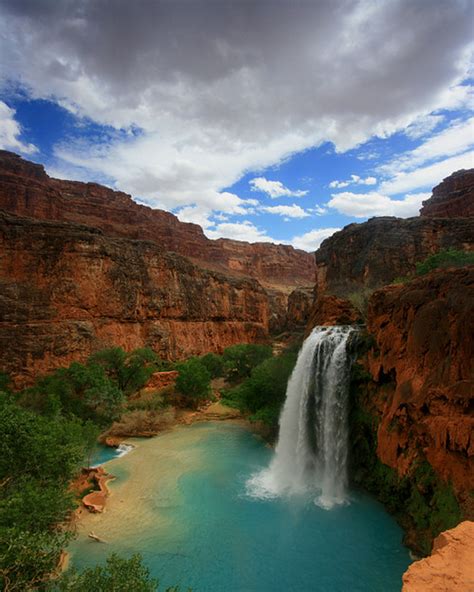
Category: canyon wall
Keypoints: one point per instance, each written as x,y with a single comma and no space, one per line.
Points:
423,358
26,190
373,253
67,290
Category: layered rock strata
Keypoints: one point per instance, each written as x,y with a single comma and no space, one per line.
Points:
26,190
67,290
374,253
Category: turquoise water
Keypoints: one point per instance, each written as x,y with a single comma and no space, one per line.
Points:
218,539
103,454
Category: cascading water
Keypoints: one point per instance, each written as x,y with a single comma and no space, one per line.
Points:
311,454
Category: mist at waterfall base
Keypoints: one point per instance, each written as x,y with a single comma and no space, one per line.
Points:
212,507
312,450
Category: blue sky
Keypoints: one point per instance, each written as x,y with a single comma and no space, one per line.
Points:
283,121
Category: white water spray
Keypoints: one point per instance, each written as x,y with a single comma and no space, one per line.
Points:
311,454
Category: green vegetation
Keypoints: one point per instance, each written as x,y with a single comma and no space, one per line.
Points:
118,575
38,457
444,259
214,364
194,381
360,300
263,393
47,432
239,360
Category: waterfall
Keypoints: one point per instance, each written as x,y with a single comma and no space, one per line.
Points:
311,454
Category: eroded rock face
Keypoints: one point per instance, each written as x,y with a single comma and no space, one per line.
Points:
423,359
374,253
453,198
300,304
450,567
26,190
330,310
67,290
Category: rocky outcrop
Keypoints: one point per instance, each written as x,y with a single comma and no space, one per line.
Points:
26,190
449,568
67,290
95,500
422,363
300,304
331,310
374,253
453,198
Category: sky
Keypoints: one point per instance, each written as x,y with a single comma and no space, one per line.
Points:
263,120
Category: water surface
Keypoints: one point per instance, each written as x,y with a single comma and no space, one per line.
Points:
180,500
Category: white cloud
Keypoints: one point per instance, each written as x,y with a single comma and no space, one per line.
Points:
242,231
423,125
426,177
274,188
197,215
10,132
311,240
203,82
293,211
366,205
354,180
319,210
339,184
455,139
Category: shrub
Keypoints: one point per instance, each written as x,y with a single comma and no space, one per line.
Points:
118,575
141,423
444,259
263,393
239,360
213,363
194,380
129,371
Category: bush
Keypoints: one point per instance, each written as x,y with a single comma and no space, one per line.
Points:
194,380
213,363
239,360
263,393
141,423
444,259
38,457
118,575
129,371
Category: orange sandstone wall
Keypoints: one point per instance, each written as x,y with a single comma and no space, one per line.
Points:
67,290
424,358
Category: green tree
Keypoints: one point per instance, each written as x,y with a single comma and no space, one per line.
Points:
130,371
239,360
118,575
263,393
213,363
38,457
194,380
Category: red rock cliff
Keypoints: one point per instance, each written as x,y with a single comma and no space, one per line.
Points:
374,253
453,198
424,360
67,290
26,190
